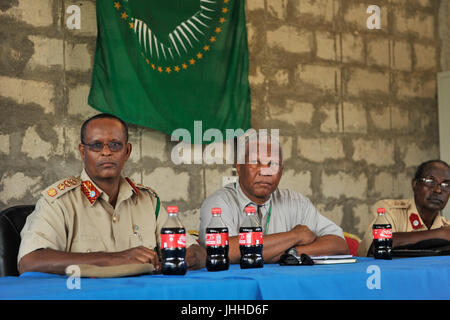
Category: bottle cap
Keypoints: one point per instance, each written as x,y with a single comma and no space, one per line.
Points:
216,210
249,209
381,210
172,209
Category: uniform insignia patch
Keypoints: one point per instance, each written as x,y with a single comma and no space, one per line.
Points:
132,185
52,192
90,191
415,221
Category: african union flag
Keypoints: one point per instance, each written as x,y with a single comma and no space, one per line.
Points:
167,63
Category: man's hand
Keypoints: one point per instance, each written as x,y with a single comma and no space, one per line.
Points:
53,261
404,238
195,257
137,255
303,235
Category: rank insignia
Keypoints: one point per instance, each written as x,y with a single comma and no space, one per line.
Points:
90,191
61,186
52,192
136,190
415,221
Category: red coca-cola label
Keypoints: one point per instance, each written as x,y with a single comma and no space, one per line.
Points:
250,238
216,239
173,240
379,234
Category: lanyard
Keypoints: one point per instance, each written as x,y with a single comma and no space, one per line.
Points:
268,218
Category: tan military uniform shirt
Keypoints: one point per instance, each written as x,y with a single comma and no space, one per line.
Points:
403,217
74,215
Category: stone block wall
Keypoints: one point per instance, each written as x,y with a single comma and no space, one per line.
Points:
356,108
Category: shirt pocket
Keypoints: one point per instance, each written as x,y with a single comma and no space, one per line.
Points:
141,239
87,244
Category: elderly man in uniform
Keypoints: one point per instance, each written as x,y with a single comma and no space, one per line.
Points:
288,218
99,218
418,218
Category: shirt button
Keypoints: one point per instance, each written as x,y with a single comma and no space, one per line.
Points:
115,218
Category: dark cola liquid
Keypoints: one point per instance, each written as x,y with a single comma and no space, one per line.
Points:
217,256
382,247
251,255
173,259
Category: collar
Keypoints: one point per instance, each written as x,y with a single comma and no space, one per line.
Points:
94,192
415,221
244,201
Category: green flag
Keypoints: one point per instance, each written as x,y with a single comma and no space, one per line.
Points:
164,64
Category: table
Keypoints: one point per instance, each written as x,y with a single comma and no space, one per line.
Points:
402,278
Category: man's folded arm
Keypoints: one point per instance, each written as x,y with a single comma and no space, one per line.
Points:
54,261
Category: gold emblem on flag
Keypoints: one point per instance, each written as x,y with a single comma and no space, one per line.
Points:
158,56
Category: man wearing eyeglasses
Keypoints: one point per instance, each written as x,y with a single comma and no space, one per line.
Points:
99,218
419,218
288,219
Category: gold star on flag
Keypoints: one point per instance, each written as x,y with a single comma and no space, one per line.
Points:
148,61
160,69
184,65
117,5
131,25
176,68
124,15
212,39
218,30
168,70
206,48
199,55
226,1
224,10
153,66
222,20
192,61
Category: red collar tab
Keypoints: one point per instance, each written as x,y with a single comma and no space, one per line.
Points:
90,191
415,221
136,190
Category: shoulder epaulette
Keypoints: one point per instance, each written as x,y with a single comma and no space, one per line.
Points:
153,192
61,187
398,204
142,187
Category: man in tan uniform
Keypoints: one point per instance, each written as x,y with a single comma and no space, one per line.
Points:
99,218
419,218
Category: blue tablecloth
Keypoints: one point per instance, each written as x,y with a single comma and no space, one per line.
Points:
406,278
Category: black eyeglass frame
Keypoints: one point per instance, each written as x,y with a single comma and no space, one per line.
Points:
113,146
431,183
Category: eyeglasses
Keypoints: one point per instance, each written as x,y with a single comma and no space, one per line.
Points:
98,146
430,182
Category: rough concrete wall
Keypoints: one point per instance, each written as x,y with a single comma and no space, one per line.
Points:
444,34
356,107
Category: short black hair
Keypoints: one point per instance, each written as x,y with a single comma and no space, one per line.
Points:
103,116
422,166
